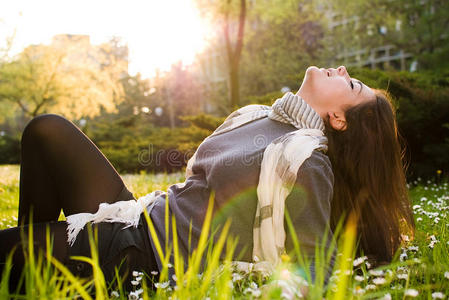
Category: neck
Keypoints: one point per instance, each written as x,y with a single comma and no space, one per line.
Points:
308,97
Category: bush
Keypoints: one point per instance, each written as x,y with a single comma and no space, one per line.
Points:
146,147
9,150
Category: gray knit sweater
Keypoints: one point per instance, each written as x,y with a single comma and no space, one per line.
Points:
229,164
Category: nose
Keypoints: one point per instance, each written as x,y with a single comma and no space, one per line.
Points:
341,70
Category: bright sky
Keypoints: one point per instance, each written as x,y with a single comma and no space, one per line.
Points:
158,32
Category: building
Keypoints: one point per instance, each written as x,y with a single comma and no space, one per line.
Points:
381,57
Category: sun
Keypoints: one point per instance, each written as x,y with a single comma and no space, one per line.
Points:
172,32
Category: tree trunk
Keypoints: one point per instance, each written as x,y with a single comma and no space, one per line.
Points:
234,54
234,86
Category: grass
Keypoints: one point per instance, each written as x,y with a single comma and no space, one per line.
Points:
420,271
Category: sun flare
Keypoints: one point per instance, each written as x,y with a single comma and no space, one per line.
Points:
158,33
175,35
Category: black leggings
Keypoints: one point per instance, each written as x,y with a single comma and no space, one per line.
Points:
61,168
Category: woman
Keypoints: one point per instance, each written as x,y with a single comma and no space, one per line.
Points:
62,169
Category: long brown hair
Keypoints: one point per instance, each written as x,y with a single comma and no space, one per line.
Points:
370,177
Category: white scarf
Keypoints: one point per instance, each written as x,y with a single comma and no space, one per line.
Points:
285,155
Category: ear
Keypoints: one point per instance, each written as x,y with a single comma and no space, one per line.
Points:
337,121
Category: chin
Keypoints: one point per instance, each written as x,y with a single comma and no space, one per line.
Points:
310,74
312,69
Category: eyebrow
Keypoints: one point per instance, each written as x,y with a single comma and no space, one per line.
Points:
361,86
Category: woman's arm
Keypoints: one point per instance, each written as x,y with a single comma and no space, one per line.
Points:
309,205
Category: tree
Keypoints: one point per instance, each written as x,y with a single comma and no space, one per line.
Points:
59,79
284,38
230,16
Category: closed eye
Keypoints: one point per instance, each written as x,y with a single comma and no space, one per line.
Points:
351,84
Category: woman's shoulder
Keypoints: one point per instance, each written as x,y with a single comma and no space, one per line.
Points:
318,161
247,109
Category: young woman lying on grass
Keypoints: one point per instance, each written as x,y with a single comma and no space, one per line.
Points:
330,151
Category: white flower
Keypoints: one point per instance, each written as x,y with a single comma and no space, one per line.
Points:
418,219
403,256
370,287
133,296
115,294
446,275
135,282
387,296
162,285
174,277
438,295
256,293
359,260
236,277
359,291
376,272
154,273
135,273
413,248
379,281
359,278
416,206
411,293
402,276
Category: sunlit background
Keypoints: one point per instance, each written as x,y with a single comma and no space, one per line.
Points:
168,71
158,33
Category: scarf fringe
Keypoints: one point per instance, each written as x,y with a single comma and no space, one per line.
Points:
127,212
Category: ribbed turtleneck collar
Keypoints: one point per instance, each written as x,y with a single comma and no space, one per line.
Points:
294,110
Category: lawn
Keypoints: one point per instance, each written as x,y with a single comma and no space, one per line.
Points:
420,271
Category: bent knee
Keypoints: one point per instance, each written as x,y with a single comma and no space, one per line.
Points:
43,125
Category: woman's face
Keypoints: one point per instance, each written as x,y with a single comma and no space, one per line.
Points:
331,91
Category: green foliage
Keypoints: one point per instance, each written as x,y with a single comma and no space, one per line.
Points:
267,99
132,145
422,101
285,40
9,150
204,121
